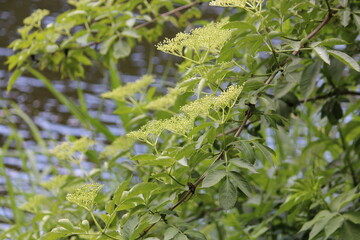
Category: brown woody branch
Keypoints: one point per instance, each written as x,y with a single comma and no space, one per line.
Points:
328,17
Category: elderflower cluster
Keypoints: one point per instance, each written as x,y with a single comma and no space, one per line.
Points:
85,195
210,38
202,106
227,98
184,122
228,3
165,101
198,107
149,132
252,5
55,182
129,89
66,150
178,124
120,144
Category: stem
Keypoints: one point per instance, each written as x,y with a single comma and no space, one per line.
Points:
196,184
169,173
247,117
331,94
96,222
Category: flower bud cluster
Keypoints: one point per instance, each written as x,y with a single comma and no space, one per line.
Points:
210,38
184,122
166,101
85,195
129,89
66,150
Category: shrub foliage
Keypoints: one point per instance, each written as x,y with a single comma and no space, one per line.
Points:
259,137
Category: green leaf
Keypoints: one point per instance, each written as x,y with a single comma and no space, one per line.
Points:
121,49
159,161
333,224
243,164
258,231
343,199
51,48
106,45
357,21
143,157
322,214
213,178
130,33
200,87
346,59
323,54
170,233
286,82
142,188
53,236
266,152
128,204
253,84
247,151
227,194
61,230
309,77
330,42
129,227
16,74
240,25
353,217
240,182
66,223
343,3
345,16
350,231
180,236
288,204
194,235
119,191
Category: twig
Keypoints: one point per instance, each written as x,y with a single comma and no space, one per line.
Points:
195,185
328,17
247,117
331,94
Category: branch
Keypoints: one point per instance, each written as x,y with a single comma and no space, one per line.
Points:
318,28
247,117
331,94
328,17
195,185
